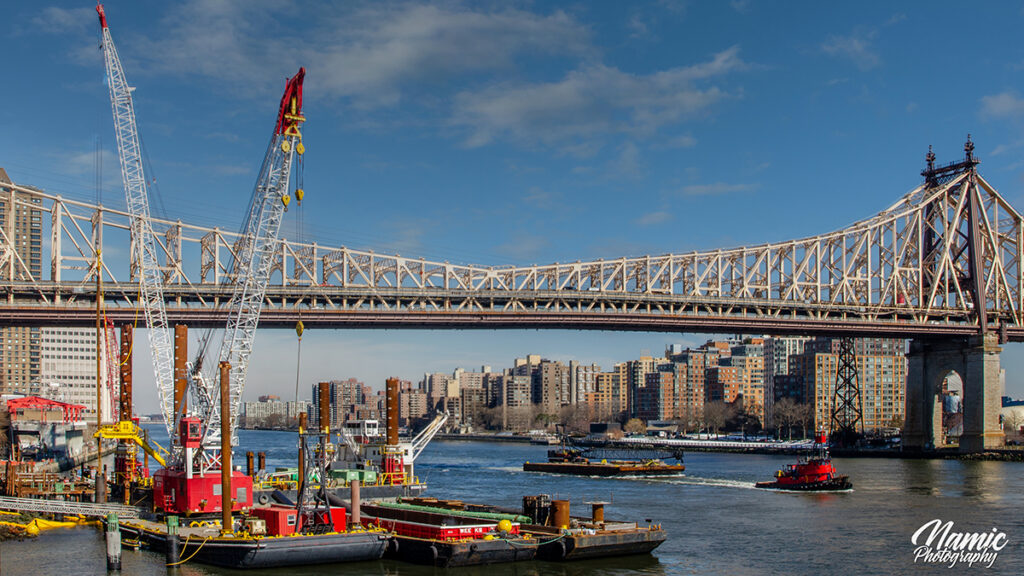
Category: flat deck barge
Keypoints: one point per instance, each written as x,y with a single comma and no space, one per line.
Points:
605,469
556,535
444,538
573,461
206,545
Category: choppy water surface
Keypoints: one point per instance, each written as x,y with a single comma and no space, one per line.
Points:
717,523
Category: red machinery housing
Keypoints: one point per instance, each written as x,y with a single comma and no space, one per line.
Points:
281,520
175,493
186,492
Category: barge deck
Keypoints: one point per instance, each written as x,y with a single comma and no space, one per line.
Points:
206,545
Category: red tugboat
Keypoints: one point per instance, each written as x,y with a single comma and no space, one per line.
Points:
814,473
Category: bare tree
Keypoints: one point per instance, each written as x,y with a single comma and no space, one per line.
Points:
1012,421
805,416
635,426
576,417
784,413
716,414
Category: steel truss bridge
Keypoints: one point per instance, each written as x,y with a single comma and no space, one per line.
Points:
943,261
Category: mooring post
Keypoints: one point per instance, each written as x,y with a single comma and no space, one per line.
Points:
172,539
301,476
113,543
356,504
226,501
100,495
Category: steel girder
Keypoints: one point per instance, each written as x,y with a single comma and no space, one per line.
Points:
880,269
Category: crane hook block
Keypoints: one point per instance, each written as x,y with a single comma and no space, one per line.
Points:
285,200
299,327
299,193
300,148
286,146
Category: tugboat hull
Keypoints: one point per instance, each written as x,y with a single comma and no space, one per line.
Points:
833,485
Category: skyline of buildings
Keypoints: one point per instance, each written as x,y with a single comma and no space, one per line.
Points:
745,374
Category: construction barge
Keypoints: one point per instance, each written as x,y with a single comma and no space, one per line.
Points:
545,530
207,544
574,461
445,538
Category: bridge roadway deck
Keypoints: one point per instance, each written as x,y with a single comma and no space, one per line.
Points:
329,306
84,315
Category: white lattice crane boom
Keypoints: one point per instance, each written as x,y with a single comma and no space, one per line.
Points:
254,255
143,242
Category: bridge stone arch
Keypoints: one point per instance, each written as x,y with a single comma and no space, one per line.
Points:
976,360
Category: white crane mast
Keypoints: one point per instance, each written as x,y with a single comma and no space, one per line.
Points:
143,244
254,257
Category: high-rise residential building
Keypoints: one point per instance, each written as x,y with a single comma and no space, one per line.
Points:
67,360
691,368
881,376
554,386
636,372
271,411
777,350
789,386
22,224
474,380
473,404
517,391
749,355
350,400
582,380
439,387
724,382
494,384
658,398
620,389
600,401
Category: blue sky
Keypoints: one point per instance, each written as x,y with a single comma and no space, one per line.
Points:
521,132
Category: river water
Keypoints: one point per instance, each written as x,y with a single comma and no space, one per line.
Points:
716,522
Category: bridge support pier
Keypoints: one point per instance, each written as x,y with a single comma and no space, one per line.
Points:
976,361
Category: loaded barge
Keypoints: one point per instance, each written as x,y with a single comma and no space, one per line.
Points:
443,538
573,461
546,527
207,544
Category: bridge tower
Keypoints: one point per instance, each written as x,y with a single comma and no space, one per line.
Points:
975,358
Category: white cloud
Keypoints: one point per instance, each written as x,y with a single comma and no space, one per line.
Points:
638,27
53,20
682,141
740,6
370,54
591,101
523,246
855,47
628,163
1002,105
654,218
716,189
